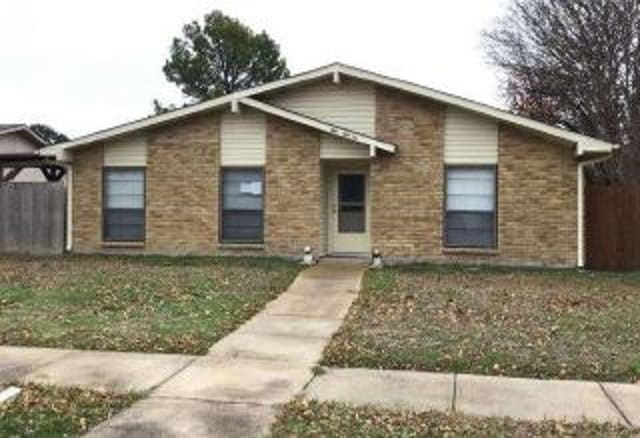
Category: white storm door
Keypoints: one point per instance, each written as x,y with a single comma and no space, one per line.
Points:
349,213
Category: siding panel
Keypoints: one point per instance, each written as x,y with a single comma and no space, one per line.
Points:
15,144
130,151
243,138
332,147
470,139
350,104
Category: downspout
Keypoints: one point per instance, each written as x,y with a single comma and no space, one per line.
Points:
581,235
69,245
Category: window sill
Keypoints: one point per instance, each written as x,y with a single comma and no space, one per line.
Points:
123,244
471,251
254,246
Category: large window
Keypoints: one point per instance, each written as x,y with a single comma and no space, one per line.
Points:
242,205
123,198
471,207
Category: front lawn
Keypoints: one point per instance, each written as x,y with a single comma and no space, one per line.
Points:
313,419
146,304
41,411
517,322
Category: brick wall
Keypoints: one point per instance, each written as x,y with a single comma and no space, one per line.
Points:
537,200
182,187
407,188
181,191
87,199
537,191
292,188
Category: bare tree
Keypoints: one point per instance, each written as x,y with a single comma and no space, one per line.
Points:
576,64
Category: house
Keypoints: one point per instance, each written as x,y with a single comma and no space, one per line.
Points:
19,139
339,159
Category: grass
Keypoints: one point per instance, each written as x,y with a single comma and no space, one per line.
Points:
313,419
146,304
41,411
517,322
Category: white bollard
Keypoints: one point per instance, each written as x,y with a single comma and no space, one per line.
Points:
307,258
376,260
9,394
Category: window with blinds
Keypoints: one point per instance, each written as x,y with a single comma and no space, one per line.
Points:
470,220
242,205
123,205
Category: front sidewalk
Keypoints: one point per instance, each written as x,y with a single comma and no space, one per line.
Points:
235,389
96,370
484,396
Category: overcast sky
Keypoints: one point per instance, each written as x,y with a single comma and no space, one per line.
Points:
83,65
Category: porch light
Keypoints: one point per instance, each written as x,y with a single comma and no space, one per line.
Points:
376,260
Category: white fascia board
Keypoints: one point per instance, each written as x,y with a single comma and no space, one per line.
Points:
147,122
196,108
320,125
327,70
583,143
13,129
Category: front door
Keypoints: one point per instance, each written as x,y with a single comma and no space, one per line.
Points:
350,222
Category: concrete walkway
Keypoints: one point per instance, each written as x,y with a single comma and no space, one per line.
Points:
486,396
96,370
233,391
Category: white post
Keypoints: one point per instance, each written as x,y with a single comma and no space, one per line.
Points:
69,207
581,245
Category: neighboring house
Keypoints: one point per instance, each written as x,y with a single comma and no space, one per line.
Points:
18,139
339,159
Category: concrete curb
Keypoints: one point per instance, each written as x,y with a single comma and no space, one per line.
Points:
484,396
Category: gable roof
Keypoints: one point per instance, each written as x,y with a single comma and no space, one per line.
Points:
15,128
584,144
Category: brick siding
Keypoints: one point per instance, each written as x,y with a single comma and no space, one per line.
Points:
182,187
407,188
87,199
292,185
537,186
537,182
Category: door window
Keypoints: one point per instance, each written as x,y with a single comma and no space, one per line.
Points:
351,203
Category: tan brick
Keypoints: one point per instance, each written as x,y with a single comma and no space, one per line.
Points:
537,211
537,200
537,191
406,188
87,199
293,182
182,187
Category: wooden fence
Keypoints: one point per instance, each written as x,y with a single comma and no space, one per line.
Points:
613,227
32,218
